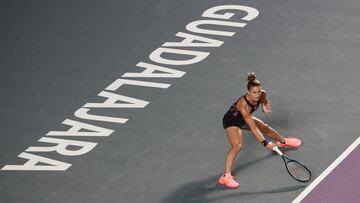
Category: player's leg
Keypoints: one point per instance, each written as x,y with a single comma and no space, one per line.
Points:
234,136
271,133
268,131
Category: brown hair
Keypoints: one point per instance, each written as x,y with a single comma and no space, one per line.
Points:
252,80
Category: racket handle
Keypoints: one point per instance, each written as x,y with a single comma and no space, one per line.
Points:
276,149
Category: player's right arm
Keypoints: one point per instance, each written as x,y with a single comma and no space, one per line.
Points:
245,112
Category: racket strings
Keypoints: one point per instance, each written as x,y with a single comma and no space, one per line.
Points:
298,171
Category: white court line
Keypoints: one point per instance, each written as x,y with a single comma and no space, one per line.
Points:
327,171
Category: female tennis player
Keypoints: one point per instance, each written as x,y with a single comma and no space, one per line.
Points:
239,117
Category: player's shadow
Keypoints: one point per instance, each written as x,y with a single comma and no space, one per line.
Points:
201,191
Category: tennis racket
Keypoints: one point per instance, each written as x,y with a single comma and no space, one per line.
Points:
296,169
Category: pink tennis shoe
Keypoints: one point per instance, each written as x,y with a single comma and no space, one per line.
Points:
228,181
290,142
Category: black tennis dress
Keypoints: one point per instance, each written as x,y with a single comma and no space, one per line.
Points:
233,116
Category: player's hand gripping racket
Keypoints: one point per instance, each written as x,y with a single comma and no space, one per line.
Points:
296,169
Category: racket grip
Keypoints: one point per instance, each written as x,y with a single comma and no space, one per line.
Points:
276,149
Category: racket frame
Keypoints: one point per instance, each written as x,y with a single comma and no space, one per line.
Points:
287,159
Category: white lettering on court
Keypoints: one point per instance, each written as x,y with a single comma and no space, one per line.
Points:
177,53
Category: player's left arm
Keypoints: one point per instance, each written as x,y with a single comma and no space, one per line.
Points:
265,102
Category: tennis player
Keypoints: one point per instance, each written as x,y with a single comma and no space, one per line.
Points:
239,117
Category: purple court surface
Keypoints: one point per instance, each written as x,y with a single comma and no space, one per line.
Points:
342,185
342,181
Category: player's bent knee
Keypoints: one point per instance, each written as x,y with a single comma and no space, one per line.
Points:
236,147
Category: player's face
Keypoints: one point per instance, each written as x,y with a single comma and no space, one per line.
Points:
254,93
